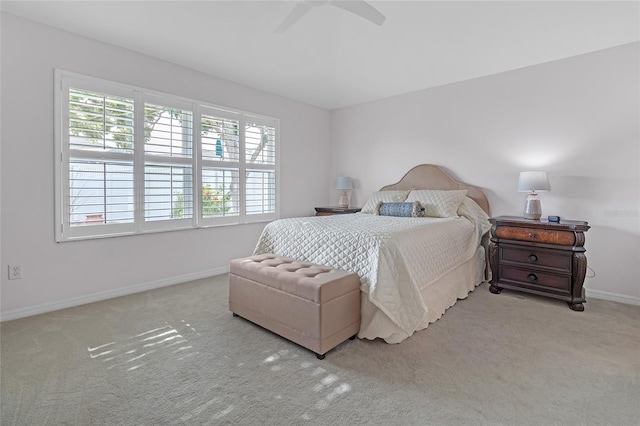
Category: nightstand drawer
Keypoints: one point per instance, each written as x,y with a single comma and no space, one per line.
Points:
536,235
533,257
534,278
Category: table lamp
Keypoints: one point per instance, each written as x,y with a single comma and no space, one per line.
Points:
344,184
531,182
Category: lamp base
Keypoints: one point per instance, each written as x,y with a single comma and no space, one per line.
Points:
344,200
532,207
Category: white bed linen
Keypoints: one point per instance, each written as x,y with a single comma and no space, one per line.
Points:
396,258
438,296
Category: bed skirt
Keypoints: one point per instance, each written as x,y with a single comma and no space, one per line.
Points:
438,296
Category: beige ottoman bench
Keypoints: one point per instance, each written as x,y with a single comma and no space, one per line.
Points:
317,307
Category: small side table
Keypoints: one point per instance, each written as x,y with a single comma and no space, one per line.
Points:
328,211
539,257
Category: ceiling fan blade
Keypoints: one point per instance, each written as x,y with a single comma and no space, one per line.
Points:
298,11
361,8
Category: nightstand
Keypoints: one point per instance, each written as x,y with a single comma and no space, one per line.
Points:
539,257
328,211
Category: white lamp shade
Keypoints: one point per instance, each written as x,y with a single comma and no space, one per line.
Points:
533,181
343,183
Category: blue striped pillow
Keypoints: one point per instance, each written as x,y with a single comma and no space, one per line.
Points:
413,209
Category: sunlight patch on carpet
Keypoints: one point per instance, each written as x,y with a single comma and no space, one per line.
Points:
133,353
326,385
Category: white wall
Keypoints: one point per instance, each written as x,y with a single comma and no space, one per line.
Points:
58,275
577,118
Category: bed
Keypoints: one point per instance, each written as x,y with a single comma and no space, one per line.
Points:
411,269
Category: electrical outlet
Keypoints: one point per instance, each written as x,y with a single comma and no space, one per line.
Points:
15,272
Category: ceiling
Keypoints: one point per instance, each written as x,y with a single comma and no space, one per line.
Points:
332,58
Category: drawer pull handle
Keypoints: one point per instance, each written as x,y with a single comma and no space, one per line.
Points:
532,278
532,235
533,258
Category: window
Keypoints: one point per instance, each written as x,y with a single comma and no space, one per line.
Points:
130,161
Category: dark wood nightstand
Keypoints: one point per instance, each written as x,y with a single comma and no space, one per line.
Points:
328,211
539,257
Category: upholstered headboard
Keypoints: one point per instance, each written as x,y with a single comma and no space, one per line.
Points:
428,176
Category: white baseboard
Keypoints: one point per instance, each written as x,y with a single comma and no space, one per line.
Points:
96,297
613,297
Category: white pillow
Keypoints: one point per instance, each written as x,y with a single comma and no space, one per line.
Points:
438,203
472,211
385,197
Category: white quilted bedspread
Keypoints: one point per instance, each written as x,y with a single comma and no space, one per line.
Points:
395,257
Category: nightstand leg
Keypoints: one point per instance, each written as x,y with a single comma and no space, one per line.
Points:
579,307
495,290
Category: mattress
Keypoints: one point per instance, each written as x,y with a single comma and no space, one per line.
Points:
396,258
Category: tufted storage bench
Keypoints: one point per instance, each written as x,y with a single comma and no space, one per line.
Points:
317,307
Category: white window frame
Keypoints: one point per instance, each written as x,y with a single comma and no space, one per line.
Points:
65,232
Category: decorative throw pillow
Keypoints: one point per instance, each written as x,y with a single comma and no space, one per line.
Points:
438,203
400,209
385,197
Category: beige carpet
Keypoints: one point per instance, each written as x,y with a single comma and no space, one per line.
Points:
176,356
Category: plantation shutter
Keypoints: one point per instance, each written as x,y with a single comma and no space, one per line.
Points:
130,160
260,157
168,164
98,161
220,160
